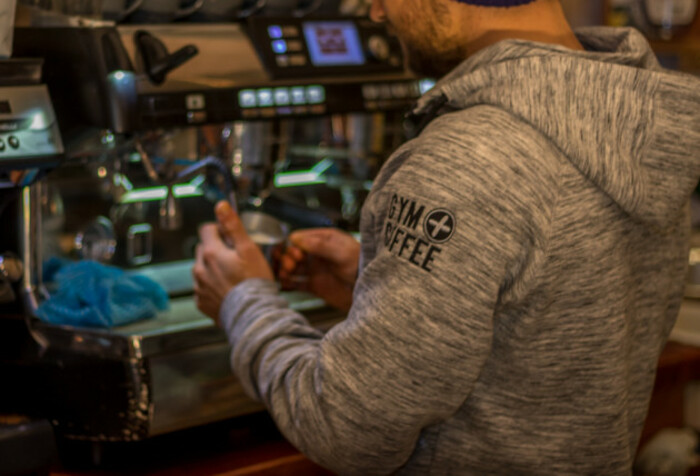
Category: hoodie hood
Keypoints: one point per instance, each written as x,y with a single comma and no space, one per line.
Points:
637,137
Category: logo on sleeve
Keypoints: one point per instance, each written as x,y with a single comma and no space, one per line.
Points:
439,225
405,238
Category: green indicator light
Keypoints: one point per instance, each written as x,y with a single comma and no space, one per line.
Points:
315,94
282,96
298,95
247,98
153,194
265,97
295,179
322,166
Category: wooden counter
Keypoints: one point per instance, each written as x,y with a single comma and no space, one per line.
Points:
678,365
245,446
252,446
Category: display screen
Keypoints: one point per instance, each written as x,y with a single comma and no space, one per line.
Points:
333,43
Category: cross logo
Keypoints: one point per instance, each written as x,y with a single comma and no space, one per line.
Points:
439,225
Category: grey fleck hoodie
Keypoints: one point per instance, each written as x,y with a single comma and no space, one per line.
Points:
522,265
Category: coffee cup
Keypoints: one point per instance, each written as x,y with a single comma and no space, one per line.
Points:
266,231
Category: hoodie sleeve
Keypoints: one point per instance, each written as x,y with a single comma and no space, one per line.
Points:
449,245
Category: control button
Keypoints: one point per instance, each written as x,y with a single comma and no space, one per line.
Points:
13,141
282,61
247,98
265,97
399,90
378,47
415,89
290,31
195,101
249,113
275,31
279,47
385,91
297,60
298,95
284,111
267,112
2,145
295,45
315,94
301,110
370,91
281,96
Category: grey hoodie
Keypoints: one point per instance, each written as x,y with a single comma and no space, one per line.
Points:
522,265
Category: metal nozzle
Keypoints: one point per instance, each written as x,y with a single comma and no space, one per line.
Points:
170,212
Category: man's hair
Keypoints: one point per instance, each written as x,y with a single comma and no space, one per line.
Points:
496,3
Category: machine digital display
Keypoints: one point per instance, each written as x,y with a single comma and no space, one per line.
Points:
333,43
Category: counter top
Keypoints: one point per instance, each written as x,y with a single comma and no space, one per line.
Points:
249,446
252,446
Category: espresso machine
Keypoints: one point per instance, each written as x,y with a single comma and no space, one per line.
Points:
296,115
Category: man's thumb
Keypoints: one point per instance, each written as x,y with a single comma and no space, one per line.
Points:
231,226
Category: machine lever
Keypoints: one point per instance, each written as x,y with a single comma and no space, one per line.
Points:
157,61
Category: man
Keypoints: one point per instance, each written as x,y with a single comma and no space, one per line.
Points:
522,259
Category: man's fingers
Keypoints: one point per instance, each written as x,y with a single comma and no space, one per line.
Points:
199,269
209,233
231,224
317,241
288,264
295,253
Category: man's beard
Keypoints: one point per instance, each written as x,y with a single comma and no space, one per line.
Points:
433,64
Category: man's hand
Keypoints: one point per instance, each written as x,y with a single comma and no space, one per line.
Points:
219,267
323,261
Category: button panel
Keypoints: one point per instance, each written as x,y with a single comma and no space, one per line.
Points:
307,47
285,39
281,96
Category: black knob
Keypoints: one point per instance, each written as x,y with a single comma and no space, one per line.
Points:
13,141
378,48
157,61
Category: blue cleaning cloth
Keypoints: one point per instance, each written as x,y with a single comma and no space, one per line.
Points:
91,294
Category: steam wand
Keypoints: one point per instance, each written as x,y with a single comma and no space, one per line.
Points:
170,213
